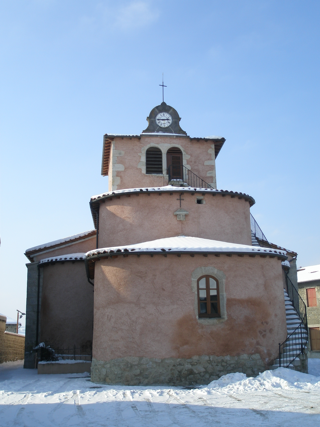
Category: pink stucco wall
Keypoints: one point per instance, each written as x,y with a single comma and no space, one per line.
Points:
138,218
144,307
66,305
82,246
130,157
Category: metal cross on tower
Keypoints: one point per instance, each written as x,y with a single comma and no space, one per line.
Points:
163,86
180,199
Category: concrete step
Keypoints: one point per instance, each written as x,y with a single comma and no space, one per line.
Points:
293,318
292,349
291,311
254,241
293,324
294,334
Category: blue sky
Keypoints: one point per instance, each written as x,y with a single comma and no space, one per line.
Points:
247,70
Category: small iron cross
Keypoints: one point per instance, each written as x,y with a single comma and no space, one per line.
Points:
180,199
163,86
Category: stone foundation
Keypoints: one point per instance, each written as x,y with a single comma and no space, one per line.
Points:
64,368
199,370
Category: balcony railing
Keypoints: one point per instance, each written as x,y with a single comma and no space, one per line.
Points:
186,176
297,302
256,230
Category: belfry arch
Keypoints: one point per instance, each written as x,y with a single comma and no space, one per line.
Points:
175,163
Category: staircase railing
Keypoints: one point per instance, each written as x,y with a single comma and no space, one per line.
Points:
256,230
186,176
292,347
297,301
296,342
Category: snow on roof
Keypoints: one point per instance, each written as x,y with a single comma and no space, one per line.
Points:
163,134
308,274
122,135
187,244
60,241
63,258
171,188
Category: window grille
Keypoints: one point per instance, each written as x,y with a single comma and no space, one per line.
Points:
154,161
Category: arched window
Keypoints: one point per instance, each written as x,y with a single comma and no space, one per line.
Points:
154,161
208,297
174,163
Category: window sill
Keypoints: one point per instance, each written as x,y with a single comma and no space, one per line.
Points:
211,321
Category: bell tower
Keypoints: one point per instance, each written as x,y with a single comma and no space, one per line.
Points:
163,154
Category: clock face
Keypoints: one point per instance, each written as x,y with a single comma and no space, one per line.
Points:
163,120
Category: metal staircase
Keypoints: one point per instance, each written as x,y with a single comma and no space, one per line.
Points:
297,330
296,315
254,240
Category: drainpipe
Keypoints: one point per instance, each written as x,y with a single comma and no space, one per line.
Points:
97,235
38,307
97,245
87,272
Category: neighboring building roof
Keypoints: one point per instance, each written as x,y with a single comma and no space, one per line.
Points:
186,244
56,243
9,321
80,256
107,140
308,274
94,201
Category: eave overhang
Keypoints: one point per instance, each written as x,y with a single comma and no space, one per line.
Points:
265,244
63,258
106,253
47,247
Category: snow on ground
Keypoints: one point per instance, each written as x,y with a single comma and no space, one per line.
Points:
274,398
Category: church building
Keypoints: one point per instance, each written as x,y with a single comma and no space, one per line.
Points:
176,284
